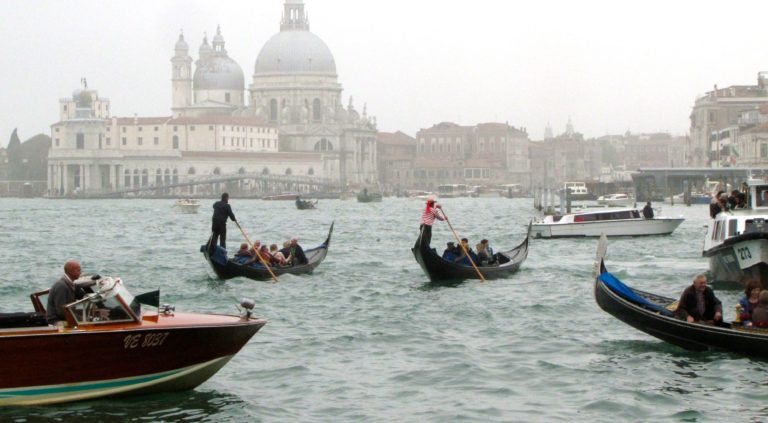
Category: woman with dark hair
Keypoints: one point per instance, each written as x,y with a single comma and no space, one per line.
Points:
750,300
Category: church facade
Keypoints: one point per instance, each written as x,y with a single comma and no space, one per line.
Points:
290,121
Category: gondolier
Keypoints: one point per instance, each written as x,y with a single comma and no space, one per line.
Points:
427,220
221,211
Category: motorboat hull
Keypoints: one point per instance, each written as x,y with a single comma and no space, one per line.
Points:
628,227
739,259
46,366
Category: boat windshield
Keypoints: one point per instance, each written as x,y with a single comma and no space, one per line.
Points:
110,303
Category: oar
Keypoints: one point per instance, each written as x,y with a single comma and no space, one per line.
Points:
482,279
266,265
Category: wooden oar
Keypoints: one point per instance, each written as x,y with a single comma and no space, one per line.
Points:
263,262
482,279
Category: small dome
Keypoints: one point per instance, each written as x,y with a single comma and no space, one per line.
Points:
219,73
181,45
295,51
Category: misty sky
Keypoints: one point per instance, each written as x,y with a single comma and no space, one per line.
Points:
609,65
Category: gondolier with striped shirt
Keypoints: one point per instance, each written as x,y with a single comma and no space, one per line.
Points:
427,219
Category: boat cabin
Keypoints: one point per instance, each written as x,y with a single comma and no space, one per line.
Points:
741,221
595,216
576,188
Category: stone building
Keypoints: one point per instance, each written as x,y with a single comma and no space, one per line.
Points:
564,158
719,110
396,153
634,151
485,154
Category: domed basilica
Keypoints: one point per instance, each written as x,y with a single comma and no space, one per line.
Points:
290,121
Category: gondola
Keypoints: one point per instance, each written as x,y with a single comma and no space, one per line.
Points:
305,204
442,270
226,268
653,315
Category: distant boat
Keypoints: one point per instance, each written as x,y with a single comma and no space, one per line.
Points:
187,206
619,199
305,204
579,191
366,196
611,222
110,346
282,196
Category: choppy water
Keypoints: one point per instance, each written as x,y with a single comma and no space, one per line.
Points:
365,339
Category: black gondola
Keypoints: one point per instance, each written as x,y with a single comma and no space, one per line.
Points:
226,268
439,269
305,204
652,314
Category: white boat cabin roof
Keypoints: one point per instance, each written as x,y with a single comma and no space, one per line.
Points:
594,216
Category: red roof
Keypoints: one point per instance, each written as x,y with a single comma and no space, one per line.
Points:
396,138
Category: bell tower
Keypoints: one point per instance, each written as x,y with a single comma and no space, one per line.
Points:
181,77
294,16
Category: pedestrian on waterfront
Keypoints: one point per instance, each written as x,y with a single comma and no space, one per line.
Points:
64,292
648,211
699,304
428,219
221,211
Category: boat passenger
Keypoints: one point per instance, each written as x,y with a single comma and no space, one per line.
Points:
278,256
450,252
484,252
760,314
718,204
244,251
297,253
221,211
286,251
64,292
750,300
699,304
463,251
428,219
260,256
648,211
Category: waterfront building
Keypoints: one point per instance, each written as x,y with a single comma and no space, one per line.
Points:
719,110
485,154
564,158
291,121
396,153
633,151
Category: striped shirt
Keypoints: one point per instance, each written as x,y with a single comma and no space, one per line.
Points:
429,216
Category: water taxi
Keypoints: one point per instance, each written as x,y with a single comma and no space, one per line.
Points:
619,199
109,346
736,243
611,222
579,191
187,206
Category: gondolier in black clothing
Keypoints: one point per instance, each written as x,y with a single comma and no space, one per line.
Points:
427,219
221,211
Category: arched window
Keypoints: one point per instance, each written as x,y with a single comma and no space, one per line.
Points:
136,178
159,177
167,176
144,177
288,171
317,112
273,110
191,171
175,176
217,171
80,140
127,178
311,171
323,145
175,142
265,171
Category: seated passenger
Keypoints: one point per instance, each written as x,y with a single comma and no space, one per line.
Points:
278,256
750,300
64,292
485,252
244,251
699,304
450,252
760,313
463,251
297,253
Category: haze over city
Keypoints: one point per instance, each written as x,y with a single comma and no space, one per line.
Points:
610,67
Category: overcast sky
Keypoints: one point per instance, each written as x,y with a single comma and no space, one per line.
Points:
608,65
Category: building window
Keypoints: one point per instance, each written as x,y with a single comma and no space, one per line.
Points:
140,129
124,141
175,142
57,142
65,107
273,110
226,97
316,110
223,140
80,141
175,128
763,150
109,141
123,129
156,128
141,141
157,140
210,127
57,129
192,128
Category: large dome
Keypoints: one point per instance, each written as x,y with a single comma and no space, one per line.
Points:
295,52
219,73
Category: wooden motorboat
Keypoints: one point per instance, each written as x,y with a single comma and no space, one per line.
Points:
109,346
439,269
653,314
305,204
187,206
612,222
227,268
736,243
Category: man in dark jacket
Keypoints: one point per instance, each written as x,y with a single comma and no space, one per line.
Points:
221,211
297,255
648,211
64,292
699,304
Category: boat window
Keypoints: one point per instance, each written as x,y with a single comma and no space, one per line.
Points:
754,225
95,309
586,218
715,230
557,218
723,227
732,227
